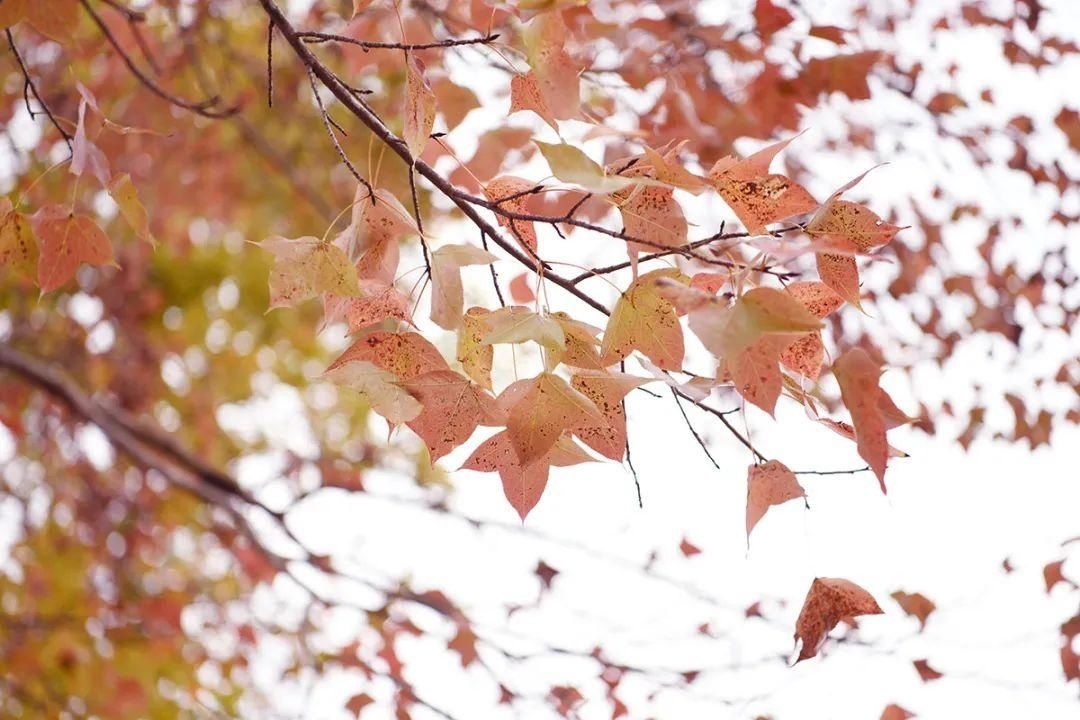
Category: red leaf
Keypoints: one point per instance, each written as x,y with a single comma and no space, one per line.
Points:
829,601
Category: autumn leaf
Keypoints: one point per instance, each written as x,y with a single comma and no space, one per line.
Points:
580,343
769,19
65,241
475,357
652,214
515,324
555,73
767,485
306,267
548,408
404,355
755,371
915,604
757,196
829,601
645,321
806,355
381,388
523,485
520,290
85,154
126,197
511,194
606,391
926,673
452,408
895,712
848,229
419,106
18,247
573,166
447,294
376,302
872,410
757,312
526,95
377,226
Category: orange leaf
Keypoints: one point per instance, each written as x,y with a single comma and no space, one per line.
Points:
606,390
872,410
452,408
767,485
65,241
547,409
406,355
516,189
757,196
644,320
829,601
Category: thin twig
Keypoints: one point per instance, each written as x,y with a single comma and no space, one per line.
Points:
321,37
204,108
29,83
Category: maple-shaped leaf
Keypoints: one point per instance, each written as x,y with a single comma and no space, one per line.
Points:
475,357
515,324
405,355
766,485
606,390
829,601
452,408
306,267
548,408
382,389
756,196
18,247
806,355
419,106
512,194
65,241
56,18
126,197
447,294
872,410
572,165
915,604
644,320
523,485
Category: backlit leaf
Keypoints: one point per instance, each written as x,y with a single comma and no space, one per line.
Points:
65,241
